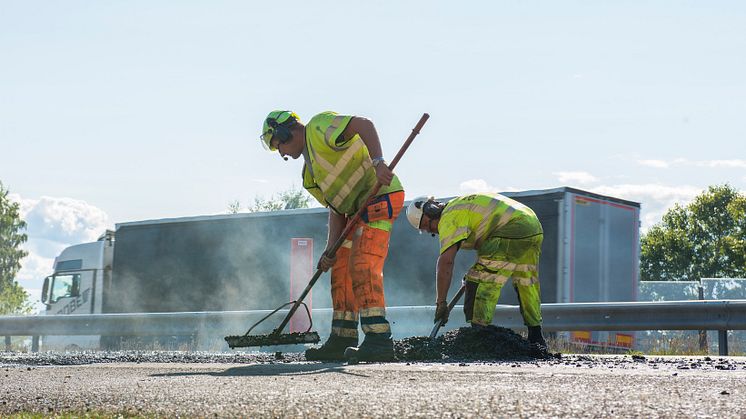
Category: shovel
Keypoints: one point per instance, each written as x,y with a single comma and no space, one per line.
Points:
453,302
277,337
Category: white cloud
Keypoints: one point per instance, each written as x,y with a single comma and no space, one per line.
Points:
582,178
729,164
51,225
481,185
655,199
35,266
723,163
476,185
658,164
63,220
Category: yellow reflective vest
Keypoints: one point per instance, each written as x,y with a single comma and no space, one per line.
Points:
472,219
338,173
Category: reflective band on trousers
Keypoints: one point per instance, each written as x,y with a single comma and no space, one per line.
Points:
344,315
373,320
373,311
486,276
344,323
508,266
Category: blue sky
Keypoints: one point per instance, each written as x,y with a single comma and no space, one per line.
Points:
122,111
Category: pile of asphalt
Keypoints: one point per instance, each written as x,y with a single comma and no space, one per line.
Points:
471,344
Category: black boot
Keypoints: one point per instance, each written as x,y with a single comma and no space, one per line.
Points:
332,350
373,349
534,336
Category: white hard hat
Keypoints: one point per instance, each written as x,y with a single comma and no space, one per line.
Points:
414,211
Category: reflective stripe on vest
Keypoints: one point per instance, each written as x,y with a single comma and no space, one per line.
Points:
338,176
329,133
489,221
332,177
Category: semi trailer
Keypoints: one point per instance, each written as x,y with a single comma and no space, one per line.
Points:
243,261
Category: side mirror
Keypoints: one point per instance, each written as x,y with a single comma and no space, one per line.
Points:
45,290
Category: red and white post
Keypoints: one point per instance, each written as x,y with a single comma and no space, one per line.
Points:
301,271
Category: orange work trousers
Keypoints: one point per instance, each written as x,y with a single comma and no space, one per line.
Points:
357,275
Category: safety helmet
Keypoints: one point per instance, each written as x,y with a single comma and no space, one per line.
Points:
415,210
276,123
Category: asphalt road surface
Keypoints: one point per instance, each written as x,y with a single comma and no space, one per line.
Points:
206,385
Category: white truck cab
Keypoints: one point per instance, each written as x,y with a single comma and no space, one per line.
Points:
76,286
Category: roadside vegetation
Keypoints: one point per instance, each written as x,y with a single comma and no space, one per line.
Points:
292,198
704,239
13,298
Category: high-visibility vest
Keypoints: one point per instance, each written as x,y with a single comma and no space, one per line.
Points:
338,173
472,219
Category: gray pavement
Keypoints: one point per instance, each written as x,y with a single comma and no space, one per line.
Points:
575,386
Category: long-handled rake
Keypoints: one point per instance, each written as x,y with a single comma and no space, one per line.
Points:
277,337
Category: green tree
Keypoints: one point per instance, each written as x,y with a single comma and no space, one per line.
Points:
704,239
13,298
290,199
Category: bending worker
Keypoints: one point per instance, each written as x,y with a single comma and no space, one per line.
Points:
507,236
342,161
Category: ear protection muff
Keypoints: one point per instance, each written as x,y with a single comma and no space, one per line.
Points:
431,209
281,130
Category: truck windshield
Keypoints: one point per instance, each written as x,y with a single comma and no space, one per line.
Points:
66,285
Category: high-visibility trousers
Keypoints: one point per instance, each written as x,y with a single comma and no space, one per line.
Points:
500,259
357,275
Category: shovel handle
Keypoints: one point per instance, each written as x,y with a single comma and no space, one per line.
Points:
452,304
351,224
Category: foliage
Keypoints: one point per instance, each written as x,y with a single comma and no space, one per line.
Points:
704,239
13,298
290,199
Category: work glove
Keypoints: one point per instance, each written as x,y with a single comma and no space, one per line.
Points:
326,262
441,312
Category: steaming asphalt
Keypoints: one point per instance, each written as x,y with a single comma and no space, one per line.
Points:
169,384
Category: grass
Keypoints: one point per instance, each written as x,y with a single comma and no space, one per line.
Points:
677,343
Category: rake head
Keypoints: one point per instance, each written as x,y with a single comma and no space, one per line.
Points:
272,339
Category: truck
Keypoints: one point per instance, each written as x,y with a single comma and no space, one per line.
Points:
243,261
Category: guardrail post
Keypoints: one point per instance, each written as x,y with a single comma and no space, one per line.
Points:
702,333
7,343
723,342
35,344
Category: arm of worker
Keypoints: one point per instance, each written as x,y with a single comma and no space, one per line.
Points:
444,273
367,131
337,223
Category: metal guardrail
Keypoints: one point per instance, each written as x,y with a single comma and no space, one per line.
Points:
719,315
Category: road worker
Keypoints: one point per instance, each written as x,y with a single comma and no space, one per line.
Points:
342,161
507,236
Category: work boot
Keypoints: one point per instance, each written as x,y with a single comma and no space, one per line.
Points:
373,349
534,336
332,350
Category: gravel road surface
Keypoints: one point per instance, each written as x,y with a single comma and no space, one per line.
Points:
163,384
